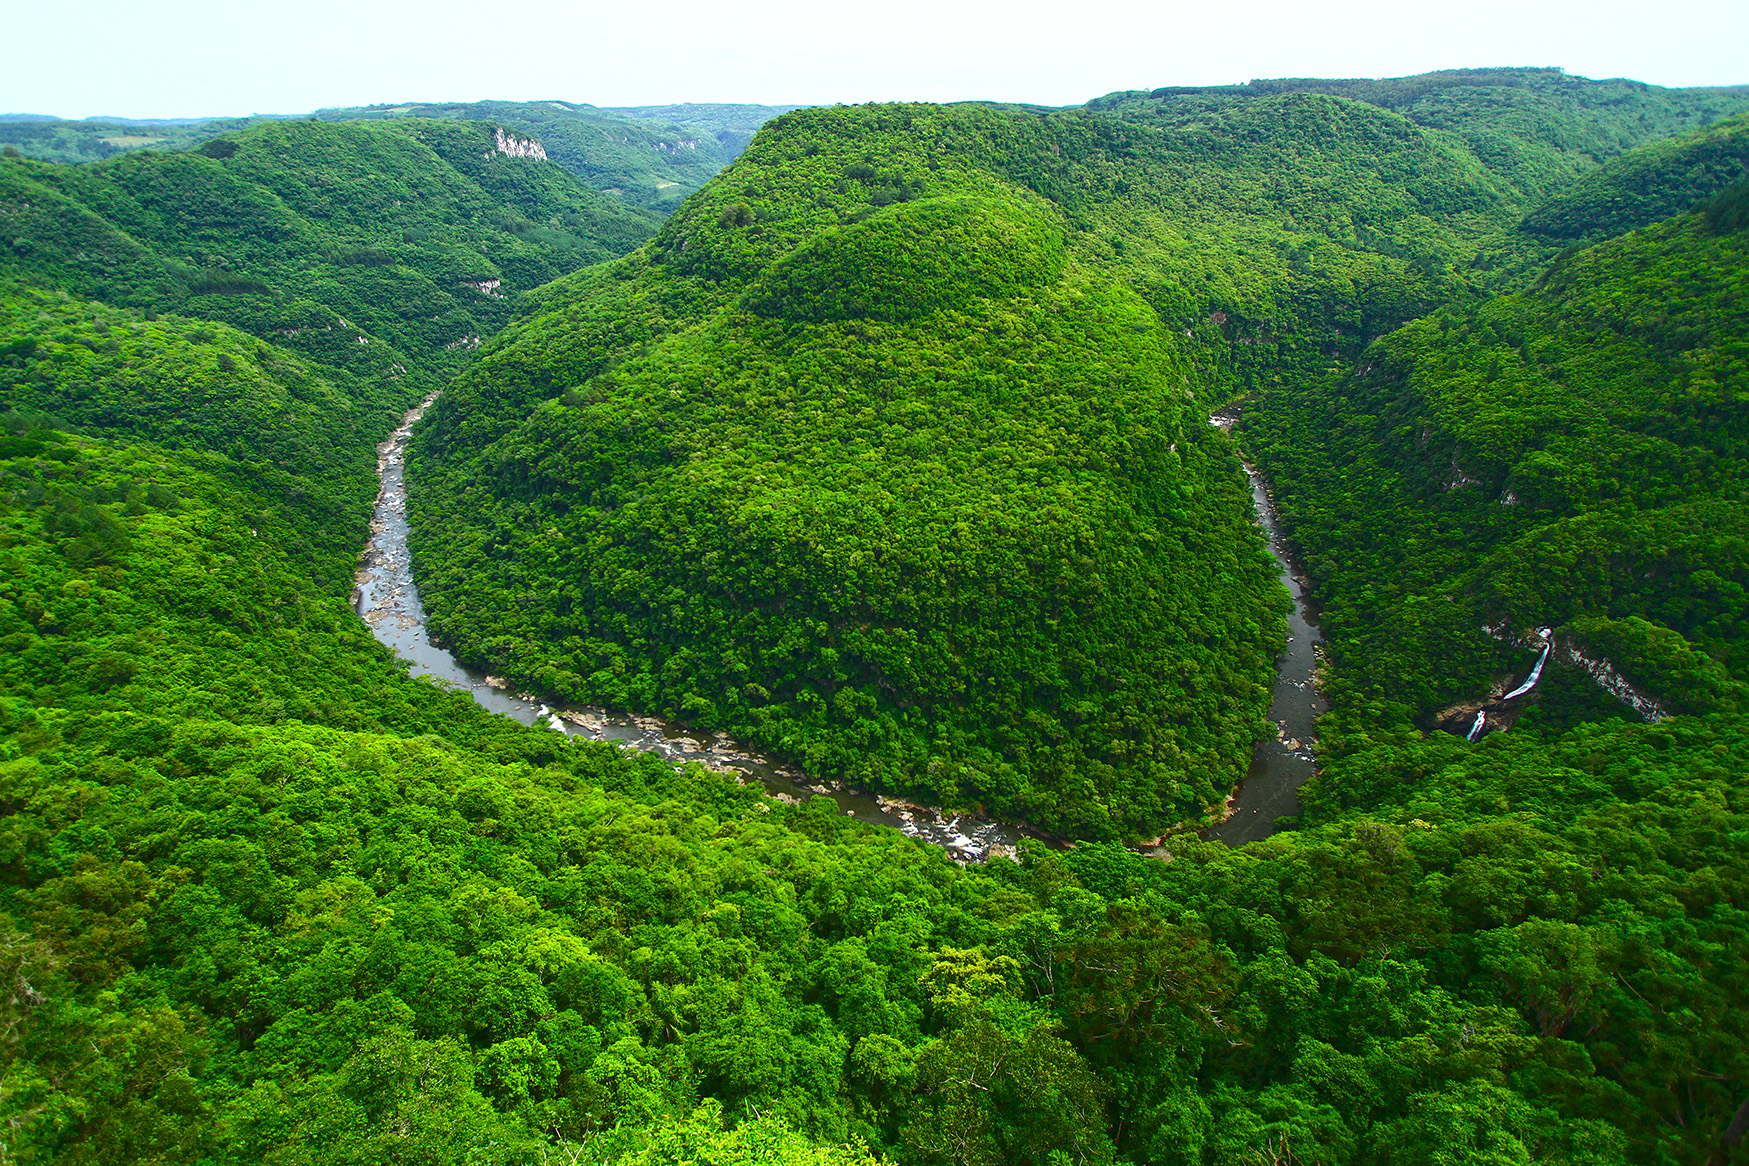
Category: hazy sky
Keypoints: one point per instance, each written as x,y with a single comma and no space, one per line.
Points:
182,58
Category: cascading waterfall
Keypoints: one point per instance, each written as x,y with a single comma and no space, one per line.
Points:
1476,729
1536,673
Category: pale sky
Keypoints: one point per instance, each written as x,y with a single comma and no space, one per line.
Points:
189,58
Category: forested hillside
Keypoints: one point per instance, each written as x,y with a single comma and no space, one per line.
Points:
866,464
1572,455
711,480
889,450
385,250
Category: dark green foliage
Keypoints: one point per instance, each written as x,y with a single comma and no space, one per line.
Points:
1575,450
1729,209
277,425
142,582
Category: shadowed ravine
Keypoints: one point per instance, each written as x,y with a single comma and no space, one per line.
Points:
388,600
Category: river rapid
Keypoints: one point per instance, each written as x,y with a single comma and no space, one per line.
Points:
388,600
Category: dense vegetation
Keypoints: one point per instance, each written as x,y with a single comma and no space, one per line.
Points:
647,157
868,466
1573,455
701,481
387,250
263,898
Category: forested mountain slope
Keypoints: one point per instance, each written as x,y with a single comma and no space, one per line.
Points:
263,898
869,465
768,472
1571,456
1645,185
386,250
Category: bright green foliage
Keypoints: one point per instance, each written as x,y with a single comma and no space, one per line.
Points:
280,426
701,1140
913,497
139,581
387,250
893,397
912,260
1596,883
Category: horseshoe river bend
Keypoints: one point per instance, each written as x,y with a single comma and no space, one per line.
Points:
388,600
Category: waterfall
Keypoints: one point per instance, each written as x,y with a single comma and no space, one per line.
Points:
1476,729
1535,673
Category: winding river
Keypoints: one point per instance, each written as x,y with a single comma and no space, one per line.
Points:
388,600
1281,764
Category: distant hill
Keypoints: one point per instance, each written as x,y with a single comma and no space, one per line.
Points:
1536,128
1645,185
650,156
385,248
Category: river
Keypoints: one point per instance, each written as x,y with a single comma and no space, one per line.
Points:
388,600
1281,764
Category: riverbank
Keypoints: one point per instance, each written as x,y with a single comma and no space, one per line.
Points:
1280,765
387,599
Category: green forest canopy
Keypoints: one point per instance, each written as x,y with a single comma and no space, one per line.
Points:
264,898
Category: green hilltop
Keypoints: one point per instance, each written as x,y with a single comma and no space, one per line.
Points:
647,157
732,466
888,449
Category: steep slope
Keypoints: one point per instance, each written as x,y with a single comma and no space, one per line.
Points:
774,472
284,428
1569,456
897,484
1646,185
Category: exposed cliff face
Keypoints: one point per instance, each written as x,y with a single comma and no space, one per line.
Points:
515,147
